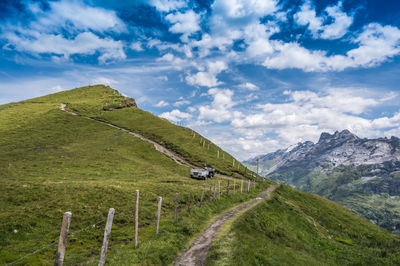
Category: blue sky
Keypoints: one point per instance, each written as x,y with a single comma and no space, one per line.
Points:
252,75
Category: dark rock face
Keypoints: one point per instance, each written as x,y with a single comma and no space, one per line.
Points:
360,174
130,103
126,104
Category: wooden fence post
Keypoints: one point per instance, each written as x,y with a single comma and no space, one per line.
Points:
227,188
209,195
158,214
176,208
248,186
218,154
241,187
62,242
106,238
214,192
219,189
137,219
202,195
234,186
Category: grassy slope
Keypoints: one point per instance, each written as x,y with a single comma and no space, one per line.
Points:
297,228
176,138
346,186
51,162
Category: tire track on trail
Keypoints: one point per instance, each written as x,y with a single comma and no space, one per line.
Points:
178,159
197,252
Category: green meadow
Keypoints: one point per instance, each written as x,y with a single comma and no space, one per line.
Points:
298,228
52,162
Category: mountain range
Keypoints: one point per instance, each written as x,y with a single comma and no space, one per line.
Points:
359,173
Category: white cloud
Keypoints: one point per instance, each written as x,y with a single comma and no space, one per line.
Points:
185,23
167,57
377,44
162,104
168,5
340,25
175,116
292,55
257,39
208,78
73,15
175,61
231,20
333,25
220,108
387,122
242,147
137,46
251,97
57,88
236,9
43,35
308,113
191,109
104,80
249,86
85,43
163,78
239,20
307,17
181,102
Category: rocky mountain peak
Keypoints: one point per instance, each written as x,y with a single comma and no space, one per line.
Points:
341,136
324,136
339,148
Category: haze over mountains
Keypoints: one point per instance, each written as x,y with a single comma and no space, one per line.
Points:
361,174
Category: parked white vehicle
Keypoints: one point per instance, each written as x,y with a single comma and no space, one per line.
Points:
205,173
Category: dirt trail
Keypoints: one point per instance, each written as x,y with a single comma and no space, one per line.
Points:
157,146
178,159
197,252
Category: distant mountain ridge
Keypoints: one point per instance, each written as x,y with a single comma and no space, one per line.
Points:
361,174
340,148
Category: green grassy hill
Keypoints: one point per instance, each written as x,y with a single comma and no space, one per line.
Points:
93,100
52,161
298,228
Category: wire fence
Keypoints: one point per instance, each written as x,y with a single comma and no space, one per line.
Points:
186,201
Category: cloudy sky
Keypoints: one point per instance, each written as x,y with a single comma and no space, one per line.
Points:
251,75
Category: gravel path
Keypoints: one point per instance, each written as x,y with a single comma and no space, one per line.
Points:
197,252
178,159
